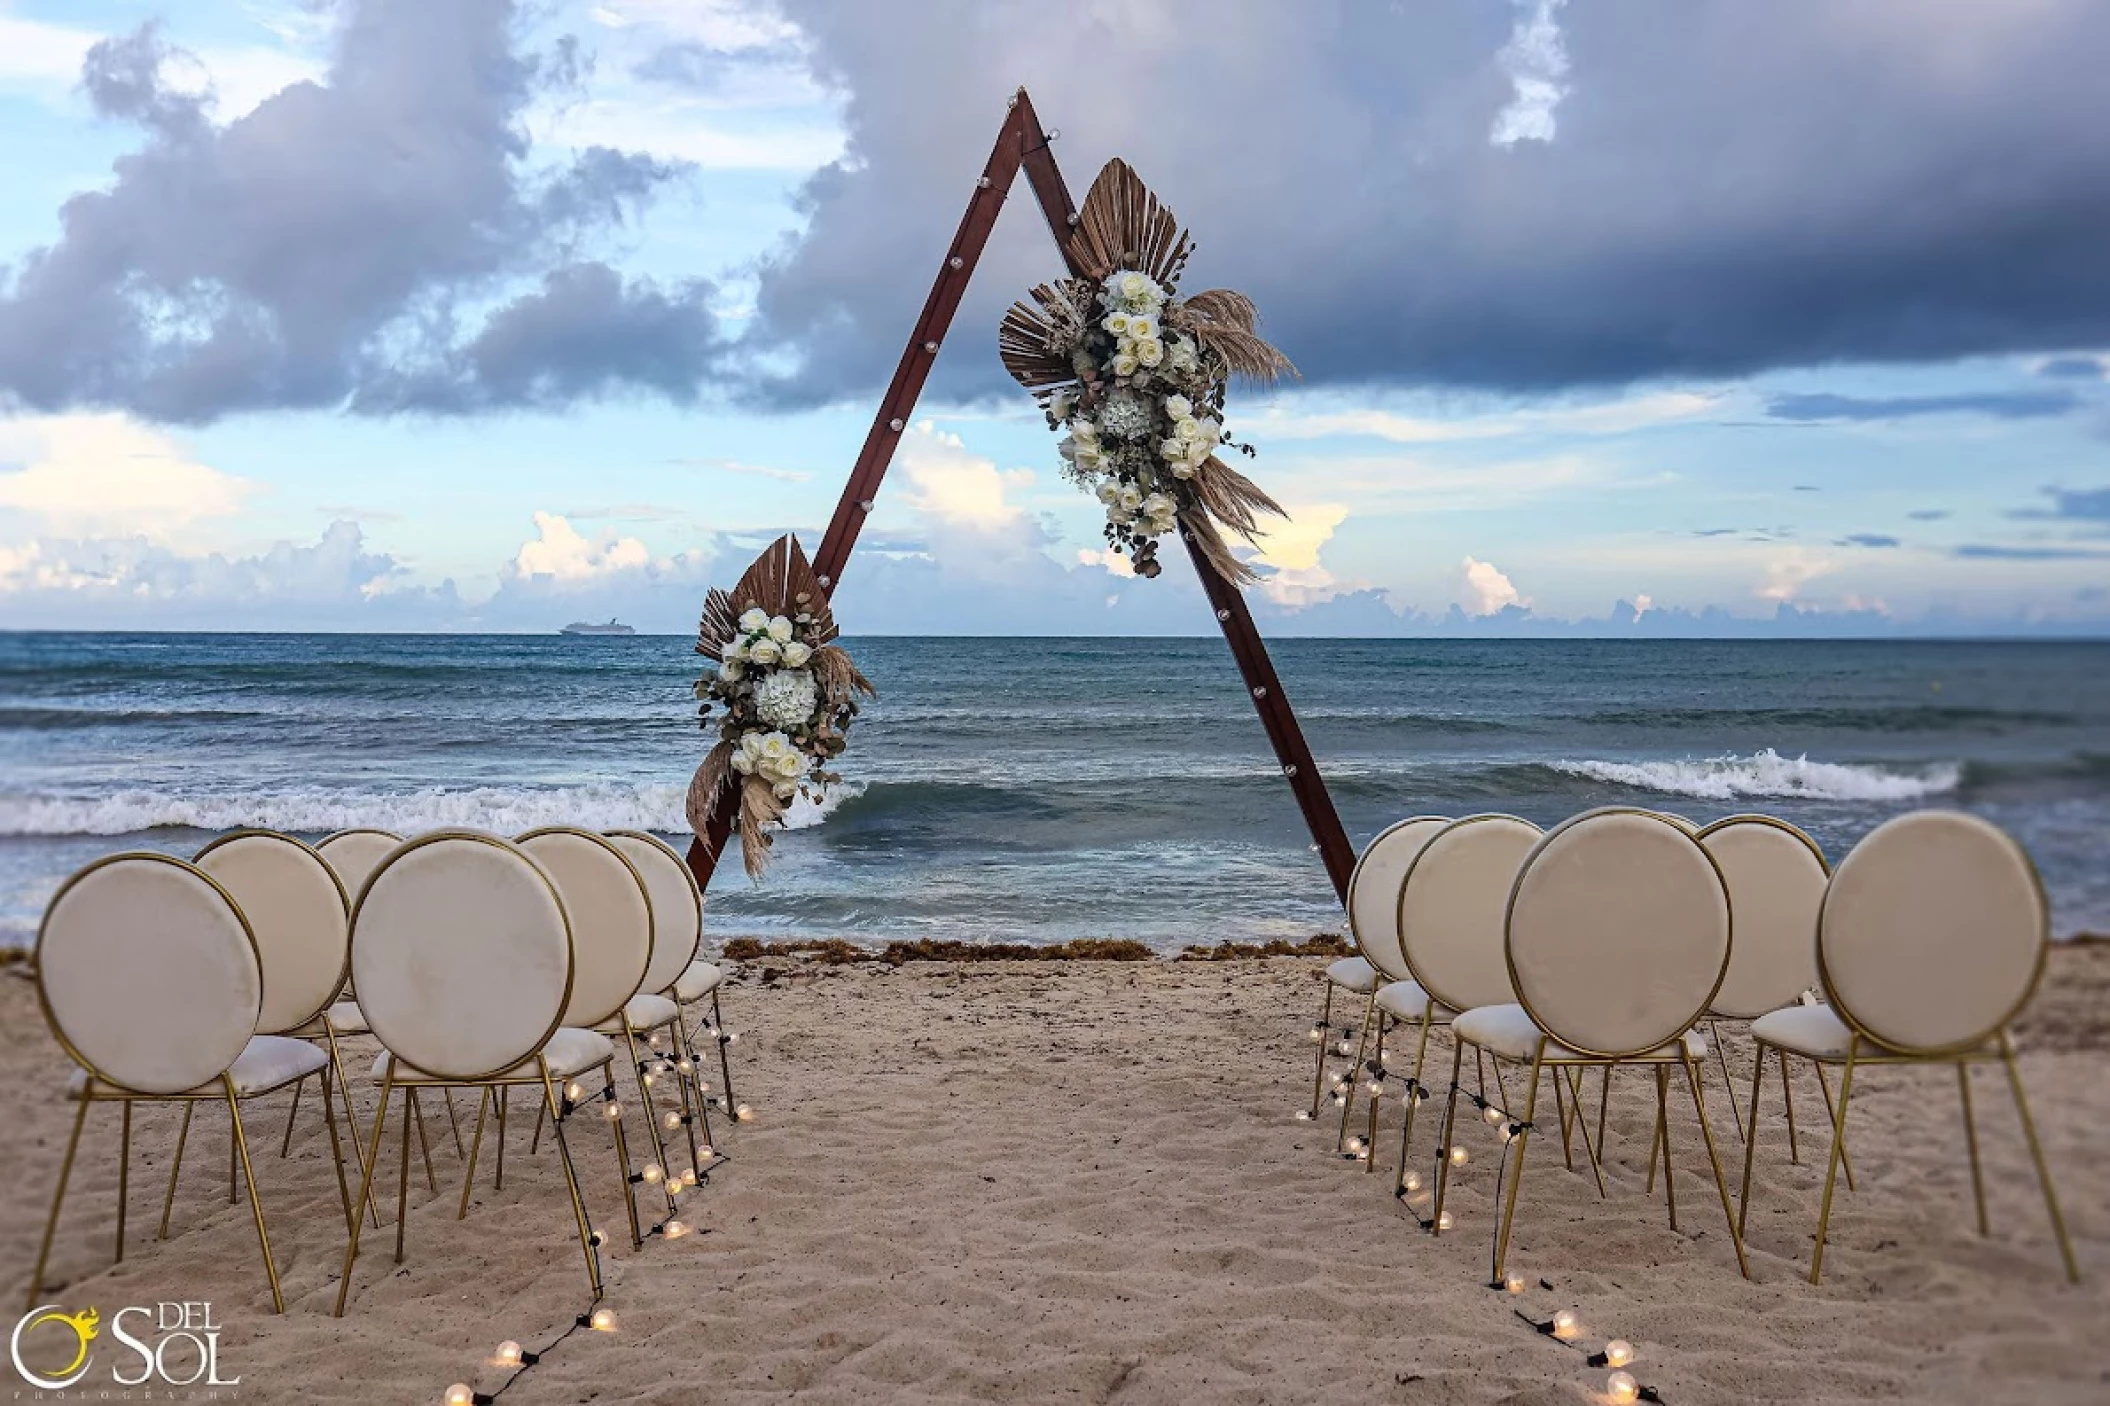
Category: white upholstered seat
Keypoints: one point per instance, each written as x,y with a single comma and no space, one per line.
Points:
697,980
1405,1001
570,1051
1353,974
1509,1031
347,1018
645,1011
268,1063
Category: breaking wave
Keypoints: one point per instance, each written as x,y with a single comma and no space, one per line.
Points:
1768,773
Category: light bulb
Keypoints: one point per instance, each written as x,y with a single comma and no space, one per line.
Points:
744,1114
1493,1115
684,1066
653,1039
645,1078
1362,1154
704,1151
596,1239
603,1320
508,1353
1317,1034
1565,1323
1459,1156
1506,1133
1514,1283
674,1230
460,1395
1339,1099
575,1091
688,1176
653,1172
1444,1221
733,1038
1344,1047
1618,1352
1355,1144
1376,1088
1413,1181
612,1110
1304,1115
1621,1386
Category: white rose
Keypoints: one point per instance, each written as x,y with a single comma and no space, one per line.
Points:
1061,406
1184,470
780,629
1109,493
1116,323
765,651
1189,429
736,651
1173,450
1135,287
796,654
785,790
1085,431
1066,449
1143,327
1124,365
1131,497
743,763
1090,460
1211,429
1156,505
731,671
1179,407
1119,516
1150,353
754,619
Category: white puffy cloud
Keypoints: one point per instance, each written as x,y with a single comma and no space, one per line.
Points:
1292,549
1536,60
1787,573
950,483
560,553
1486,590
108,476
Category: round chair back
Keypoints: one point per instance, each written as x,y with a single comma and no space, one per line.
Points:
1373,892
462,953
1776,877
677,905
297,912
1933,932
611,919
148,974
1618,932
1451,907
355,854
1680,821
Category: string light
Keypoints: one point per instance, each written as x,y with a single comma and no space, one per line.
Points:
684,1066
1565,1324
508,1354
674,1230
1445,1221
672,1120
653,1172
612,1110
706,1152
1459,1157
1413,1181
575,1091
1344,1047
459,1395
1493,1115
1514,1283
1622,1387
1304,1115
744,1114
1618,1352
1318,1033
646,1078
603,1320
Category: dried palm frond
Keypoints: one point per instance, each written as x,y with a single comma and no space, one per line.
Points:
1221,321
1121,225
1232,498
1199,529
780,582
836,678
1036,338
759,807
705,786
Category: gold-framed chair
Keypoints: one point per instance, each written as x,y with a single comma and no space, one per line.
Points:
1373,921
149,977
612,939
463,954
1617,939
677,932
1449,915
1931,939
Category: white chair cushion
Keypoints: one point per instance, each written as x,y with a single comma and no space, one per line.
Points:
646,1012
569,1051
268,1062
348,1018
1510,1032
1405,1000
1354,974
697,982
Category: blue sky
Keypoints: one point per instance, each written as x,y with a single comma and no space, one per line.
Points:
340,316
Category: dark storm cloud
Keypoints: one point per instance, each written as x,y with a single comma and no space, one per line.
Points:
339,244
2002,405
2078,368
1730,187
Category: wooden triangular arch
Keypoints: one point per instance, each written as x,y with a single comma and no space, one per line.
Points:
1022,144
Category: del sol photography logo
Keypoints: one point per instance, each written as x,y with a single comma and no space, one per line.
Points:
143,1352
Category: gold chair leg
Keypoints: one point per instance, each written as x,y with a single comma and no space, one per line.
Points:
499,1096
1721,1054
1831,1167
351,1111
1355,1072
285,1143
1846,1157
689,1101
571,1179
256,1202
1655,1149
1450,1119
476,1143
1970,1137
1670,1187
168,1201
725,1064
417,1110
1604,1102
329,1119
535,1138
124,1176
1758,1076
403,1170
1501,1084
1714,1160
1415,1093
1787,1096
1370,1138
1582,1126
1318,1078
1516,1173
622,1162
2036,1155
58,1197
366,1186
1560,1111
644,1094
453,1121
231,1152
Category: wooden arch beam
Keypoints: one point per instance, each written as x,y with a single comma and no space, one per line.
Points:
1021,143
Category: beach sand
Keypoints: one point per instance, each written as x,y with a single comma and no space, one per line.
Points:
1024,1182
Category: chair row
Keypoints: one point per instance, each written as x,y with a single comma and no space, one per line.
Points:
1611,940
476,962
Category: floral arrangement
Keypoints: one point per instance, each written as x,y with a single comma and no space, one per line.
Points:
782,697
1133,376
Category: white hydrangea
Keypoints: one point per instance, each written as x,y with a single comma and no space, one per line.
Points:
786,698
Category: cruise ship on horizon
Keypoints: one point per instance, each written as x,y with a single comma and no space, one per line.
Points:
581,627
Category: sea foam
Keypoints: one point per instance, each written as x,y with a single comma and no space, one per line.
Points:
1768,773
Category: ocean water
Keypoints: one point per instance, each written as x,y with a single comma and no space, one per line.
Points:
1041,789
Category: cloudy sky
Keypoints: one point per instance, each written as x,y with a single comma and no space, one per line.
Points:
1635,316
